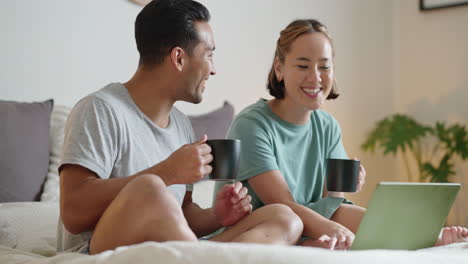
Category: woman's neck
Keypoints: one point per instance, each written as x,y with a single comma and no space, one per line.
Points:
290,112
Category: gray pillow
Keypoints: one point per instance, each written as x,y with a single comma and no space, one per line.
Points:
214,124
24,149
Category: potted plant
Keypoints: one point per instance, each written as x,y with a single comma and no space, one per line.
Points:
435,149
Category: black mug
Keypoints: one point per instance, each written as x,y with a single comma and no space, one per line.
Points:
342,175
226,157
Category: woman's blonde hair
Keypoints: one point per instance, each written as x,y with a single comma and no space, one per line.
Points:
294,30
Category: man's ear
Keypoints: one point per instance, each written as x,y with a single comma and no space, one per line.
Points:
177,58
277,66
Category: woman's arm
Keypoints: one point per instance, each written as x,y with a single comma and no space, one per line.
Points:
272,188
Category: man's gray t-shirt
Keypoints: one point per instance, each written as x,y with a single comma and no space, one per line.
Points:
108,134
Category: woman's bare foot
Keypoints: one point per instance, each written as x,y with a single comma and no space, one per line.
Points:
453,234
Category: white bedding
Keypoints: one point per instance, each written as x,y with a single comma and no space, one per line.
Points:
27,235
29,226
210,252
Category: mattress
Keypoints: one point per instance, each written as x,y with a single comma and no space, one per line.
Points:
27,235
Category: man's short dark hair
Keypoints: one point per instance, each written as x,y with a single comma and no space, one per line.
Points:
165,24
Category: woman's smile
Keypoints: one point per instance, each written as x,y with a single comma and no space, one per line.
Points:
311,92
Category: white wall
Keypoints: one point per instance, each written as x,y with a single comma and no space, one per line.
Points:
432,75
64,49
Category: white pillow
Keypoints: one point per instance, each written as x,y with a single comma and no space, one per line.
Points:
29,226
58,119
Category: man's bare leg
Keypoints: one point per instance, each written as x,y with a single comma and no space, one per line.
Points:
271,224
321,242
453,234
144,210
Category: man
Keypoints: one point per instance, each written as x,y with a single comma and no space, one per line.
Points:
128,153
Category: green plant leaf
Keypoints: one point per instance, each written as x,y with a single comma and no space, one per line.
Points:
460,140
402,133
454,138
394,133
439,174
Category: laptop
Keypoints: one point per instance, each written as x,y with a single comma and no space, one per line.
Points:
405,215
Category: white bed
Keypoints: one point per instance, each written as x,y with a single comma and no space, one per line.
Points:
27,235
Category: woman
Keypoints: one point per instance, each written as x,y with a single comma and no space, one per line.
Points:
285,141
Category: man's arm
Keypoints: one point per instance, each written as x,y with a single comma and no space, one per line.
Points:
84,196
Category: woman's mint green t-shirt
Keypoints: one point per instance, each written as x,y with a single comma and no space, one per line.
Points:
299,152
